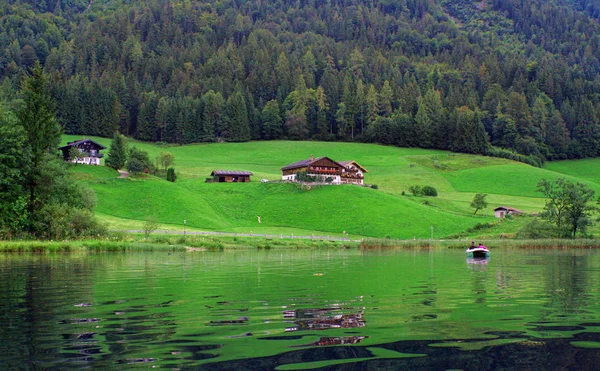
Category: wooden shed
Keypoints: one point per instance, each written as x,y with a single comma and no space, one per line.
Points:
231,176
502,211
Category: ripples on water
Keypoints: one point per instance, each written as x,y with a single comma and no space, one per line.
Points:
300,309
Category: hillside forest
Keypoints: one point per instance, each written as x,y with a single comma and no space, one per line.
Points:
511,78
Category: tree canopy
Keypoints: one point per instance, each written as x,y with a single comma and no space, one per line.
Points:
457,75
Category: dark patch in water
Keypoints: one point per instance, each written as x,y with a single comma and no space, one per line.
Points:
428,302
558,328
239,321
74,321
212,297
293,337
590,324
329,341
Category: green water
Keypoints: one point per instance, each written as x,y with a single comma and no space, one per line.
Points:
301,309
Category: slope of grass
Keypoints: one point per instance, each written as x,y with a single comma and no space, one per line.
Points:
284,208
586,169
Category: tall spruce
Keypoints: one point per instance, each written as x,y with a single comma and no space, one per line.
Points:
236,118
117,154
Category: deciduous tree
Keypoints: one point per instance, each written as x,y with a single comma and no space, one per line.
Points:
479,202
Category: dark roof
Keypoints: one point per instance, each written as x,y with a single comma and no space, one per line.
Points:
78,142
345,163
305,163
507,208
231,172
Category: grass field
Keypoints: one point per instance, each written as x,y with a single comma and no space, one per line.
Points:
332,210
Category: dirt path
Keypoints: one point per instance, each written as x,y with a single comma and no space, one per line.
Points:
124,174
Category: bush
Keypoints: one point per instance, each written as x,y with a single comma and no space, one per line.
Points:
538,229
374,186
505,153
429,191
171,176
423,191
415,190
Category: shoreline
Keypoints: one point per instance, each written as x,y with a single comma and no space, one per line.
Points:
195,243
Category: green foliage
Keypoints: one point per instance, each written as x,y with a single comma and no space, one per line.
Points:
538,229
303,176
423,191
429,191
149,226
415,190
165,159
479,202
567,205
117,154
38,197
139,161
443,75
171,176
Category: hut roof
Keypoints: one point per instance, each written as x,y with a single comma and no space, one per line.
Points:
508,209
82,141
345,163
305,163
231,172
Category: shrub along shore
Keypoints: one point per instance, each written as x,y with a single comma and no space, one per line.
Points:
221,243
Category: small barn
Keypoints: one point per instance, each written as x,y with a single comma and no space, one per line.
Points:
230,176
503,211
88,152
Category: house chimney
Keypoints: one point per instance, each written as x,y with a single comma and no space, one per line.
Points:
312,158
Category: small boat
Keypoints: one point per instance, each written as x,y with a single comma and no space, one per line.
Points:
478,252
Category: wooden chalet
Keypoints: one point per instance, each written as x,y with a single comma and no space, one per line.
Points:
353,172
503,211
230,176
322,167
89,152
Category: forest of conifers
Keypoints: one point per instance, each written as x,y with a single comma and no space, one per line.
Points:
492,76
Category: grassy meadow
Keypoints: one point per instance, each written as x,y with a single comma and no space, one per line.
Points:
330,210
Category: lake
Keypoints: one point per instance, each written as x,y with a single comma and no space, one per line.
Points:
301,309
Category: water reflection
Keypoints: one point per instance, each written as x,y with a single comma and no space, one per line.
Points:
139,310
322,319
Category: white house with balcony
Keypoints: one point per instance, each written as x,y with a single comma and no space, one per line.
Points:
86,152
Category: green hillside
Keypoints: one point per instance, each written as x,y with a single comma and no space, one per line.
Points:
332,210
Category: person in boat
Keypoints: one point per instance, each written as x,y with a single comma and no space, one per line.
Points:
472,245
481,246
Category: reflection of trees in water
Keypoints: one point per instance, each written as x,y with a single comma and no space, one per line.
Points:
329,341
36,322
567,284
49,317
323,319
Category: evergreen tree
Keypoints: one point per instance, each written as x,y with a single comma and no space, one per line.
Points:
587,130
13,211
212,116
52,201
236,125
322,108
117,153
272,122
386,97
372,104
505,131
147,127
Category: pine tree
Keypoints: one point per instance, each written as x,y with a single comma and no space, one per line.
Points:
386,97
587,130
372,104
212,116
236,118
117,154
272,122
